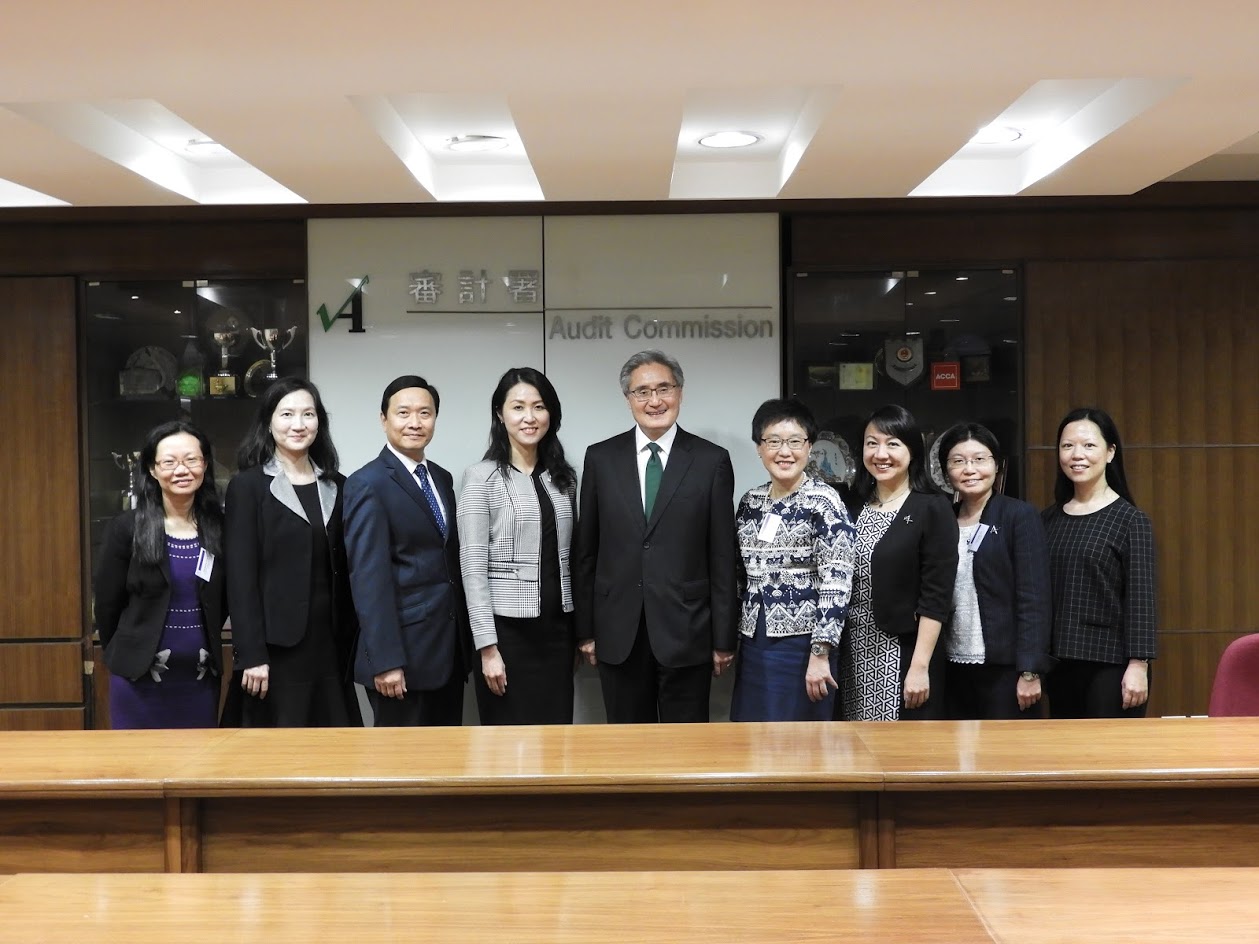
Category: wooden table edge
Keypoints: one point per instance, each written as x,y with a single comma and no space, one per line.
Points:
428,786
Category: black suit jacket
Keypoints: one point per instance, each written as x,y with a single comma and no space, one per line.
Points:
678,568
132,600
914,565
404,576
1011,569
268,550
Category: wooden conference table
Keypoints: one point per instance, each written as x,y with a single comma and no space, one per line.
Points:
920,905
1180,792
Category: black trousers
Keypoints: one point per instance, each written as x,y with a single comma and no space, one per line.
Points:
984,692
438,707
642,691
1079,689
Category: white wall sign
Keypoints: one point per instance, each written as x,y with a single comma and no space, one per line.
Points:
703,288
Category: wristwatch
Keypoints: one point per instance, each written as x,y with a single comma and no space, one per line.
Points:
819,649
1030,676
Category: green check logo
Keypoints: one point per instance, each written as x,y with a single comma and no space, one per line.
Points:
351,309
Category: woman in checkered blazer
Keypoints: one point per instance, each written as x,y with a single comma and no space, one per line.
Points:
1101,568
516,517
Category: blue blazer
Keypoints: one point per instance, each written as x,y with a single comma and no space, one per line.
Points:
404,576
1012,582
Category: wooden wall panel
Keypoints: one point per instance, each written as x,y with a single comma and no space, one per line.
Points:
1185,670
40,594
41,719
1168,348
146,248
41,673
952,232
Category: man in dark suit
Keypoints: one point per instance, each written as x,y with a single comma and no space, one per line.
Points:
404,568
656,556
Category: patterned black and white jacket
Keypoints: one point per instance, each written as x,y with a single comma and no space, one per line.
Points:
801,573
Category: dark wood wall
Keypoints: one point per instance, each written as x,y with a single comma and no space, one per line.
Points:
1145,305
46,677
1149,309
41,603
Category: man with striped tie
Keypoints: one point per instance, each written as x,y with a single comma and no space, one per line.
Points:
656,556
404,569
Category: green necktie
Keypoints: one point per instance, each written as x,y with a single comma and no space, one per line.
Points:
651,481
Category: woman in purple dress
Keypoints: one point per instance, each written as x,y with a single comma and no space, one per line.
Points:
160,589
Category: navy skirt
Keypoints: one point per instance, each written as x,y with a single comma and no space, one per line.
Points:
769,680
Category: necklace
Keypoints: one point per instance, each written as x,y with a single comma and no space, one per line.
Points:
876,502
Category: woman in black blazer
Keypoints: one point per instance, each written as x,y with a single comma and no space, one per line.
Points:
293,622
997,642
904,564
160,601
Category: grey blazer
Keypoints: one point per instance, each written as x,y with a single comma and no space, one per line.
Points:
500,543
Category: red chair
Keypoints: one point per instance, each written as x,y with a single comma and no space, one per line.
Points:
1235,693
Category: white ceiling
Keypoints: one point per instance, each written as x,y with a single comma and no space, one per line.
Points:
342,102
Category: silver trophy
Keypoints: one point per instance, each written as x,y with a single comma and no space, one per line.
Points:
129,462
223,383
273,341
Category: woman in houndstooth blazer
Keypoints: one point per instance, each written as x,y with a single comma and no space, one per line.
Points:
516,518
1101,569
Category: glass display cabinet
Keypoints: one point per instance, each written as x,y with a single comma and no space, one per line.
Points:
200,350
944,343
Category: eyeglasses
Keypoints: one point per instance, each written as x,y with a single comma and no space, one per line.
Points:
191,463
975,462
663,391
795,444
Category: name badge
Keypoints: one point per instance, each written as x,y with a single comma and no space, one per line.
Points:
977,538
769,527
205,564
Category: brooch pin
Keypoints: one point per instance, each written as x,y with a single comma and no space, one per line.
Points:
909,519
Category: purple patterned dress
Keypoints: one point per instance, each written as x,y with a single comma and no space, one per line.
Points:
179,690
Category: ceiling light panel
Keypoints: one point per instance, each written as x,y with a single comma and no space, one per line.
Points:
1057,120
420,129
148,139
784,121
15,195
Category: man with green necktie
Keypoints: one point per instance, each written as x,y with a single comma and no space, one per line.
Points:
655,556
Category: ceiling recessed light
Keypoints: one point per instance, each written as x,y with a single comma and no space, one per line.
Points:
476,142
729,139
929,293
204,146
962,278
997,134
